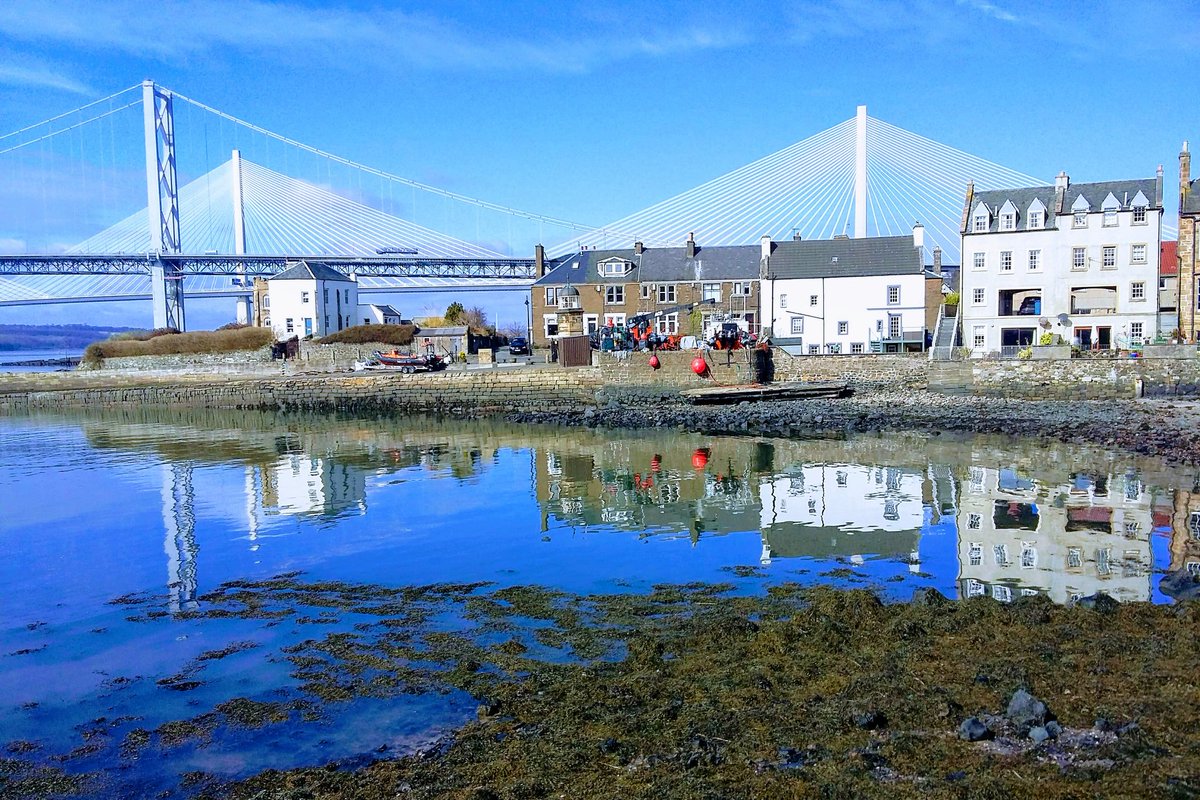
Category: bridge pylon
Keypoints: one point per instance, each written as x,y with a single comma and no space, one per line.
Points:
162,200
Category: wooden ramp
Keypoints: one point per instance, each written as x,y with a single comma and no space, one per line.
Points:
792,390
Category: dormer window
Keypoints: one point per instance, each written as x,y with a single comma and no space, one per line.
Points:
1110,206
981,223
1008,217
1079,210
1035,218
1140,204
614,268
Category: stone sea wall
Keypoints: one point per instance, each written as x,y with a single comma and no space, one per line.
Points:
313,358
1069,379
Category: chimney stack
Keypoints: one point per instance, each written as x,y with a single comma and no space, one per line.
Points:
765,245
638,248
918,235
539,260
1185,173
1061,182
966,215
937,260
691,245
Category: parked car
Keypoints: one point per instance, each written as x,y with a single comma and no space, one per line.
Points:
517,346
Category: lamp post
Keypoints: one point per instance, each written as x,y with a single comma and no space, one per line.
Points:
528,323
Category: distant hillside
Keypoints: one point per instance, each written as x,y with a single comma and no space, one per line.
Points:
53,337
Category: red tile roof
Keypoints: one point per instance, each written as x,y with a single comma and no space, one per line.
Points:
1168,258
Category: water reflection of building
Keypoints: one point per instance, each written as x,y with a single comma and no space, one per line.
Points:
1090,535
828,510
300,483
644,486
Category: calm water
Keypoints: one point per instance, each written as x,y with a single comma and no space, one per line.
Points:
155,509
9,357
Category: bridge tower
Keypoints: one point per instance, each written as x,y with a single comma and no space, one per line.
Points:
162,199
860,173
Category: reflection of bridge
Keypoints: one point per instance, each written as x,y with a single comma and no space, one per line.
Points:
224,223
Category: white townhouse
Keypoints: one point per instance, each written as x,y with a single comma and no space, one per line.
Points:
847,296
1080,261
312,299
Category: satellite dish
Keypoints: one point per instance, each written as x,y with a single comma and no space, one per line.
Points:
1063,319
1045,323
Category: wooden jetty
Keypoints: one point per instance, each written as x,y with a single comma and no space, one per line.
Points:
790,390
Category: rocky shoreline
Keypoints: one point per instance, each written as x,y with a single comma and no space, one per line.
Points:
67,362
1169,429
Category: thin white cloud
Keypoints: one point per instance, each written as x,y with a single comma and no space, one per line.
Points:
35,75
287,30
991,10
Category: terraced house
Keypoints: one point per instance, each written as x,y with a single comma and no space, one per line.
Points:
1079,261
615,285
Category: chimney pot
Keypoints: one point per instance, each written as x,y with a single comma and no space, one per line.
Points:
638,247
691,245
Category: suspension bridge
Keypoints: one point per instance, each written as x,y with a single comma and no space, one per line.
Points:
148,194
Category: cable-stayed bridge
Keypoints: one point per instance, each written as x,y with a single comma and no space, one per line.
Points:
223,201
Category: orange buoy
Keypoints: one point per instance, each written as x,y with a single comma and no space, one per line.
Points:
699,365
654,362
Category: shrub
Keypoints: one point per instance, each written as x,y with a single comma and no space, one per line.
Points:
365,334
1046,338
163,342
952,299
233,326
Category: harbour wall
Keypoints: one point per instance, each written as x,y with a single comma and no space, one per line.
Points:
610,379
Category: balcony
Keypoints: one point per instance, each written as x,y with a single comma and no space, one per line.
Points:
1094,301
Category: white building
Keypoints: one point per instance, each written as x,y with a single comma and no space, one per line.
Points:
1079,261
845,296
311,299
377,314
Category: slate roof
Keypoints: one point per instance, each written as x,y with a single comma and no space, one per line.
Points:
386,310
1093,193
310,271
856,258
1191,198
659,265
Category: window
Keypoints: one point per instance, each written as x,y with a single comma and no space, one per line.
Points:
645,291
666,293
975,552
1139,215
304,297
981,223
857,348
326,322
978,296
711,291
812,299
668,324
834,348
1001,594
614,295
783,301
974,521
551,295
978,337
1137,290
347,295
551,324
1006,260
797,325
1079,258
1074,557
326,297
1137,254
814,349
1104,560
1079,220
975,588
741,288
614,268
843,328
1000,553
1035,220
1007,222
1035,260
893,295
980,261
1109,256
1029,555
1110,217
1135,332
290,325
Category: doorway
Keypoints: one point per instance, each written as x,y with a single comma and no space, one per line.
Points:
1104,338
1084,337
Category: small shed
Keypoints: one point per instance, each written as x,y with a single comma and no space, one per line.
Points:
448,341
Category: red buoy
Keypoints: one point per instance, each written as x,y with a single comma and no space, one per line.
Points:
654,362
700,458
699,365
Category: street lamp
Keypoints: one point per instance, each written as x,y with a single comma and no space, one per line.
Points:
528,323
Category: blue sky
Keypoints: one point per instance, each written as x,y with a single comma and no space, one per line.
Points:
589,111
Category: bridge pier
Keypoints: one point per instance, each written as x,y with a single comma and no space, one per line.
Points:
166,295
162,204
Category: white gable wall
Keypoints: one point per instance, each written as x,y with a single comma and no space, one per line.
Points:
860,302
330,306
